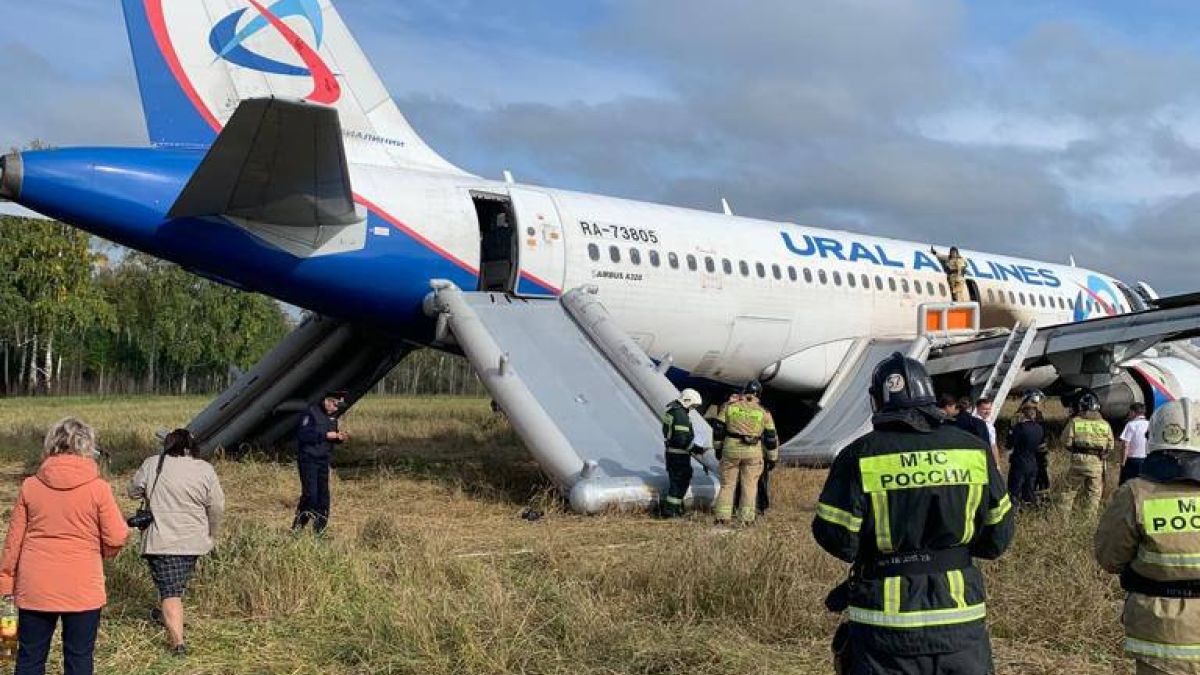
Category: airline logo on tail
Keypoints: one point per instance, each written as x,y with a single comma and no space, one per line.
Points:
228,40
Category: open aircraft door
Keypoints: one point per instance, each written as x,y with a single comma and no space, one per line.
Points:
543,255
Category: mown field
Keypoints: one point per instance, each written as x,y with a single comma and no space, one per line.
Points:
430,570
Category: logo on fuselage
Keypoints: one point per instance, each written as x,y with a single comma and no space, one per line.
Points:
228,41
1098,297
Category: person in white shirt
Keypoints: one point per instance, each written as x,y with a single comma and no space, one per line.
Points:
1133,442
983,410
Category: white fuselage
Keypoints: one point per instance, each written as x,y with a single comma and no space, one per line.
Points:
727,296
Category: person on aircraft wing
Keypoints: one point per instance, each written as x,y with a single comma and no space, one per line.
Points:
745,439
1150,535
679,438
1089,439
909,505
956,273
316,436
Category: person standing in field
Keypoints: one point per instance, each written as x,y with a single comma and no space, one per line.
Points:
317,435
1150,535
1090,441
187,501
1133,442
64,524
909,505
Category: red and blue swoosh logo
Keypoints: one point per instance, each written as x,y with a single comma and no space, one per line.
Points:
1097,297
228,40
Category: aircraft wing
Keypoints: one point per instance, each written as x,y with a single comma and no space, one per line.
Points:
1092,346
277,162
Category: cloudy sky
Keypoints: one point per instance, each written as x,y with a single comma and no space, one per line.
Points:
1045,129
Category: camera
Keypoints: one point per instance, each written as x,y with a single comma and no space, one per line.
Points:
140,520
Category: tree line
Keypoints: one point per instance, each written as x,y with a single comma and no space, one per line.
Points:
81,316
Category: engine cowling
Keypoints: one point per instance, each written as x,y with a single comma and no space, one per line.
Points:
1166,373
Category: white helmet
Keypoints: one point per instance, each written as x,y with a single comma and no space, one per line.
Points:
1176,426
690,398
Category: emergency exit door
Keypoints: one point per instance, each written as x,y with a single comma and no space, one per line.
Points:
542,255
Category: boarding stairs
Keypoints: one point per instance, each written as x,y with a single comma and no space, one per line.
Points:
582,395
1008,366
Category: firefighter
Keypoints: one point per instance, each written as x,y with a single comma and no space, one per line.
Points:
909,505
1150,535
956,273
679,438
746,442
1034,397
1089,439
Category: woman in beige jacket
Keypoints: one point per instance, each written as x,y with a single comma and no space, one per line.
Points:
186,499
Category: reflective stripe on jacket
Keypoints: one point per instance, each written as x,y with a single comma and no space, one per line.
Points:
1153,529
899,490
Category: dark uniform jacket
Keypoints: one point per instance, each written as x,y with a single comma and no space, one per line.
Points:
677,429
1026,438
312,438
972,424
915,487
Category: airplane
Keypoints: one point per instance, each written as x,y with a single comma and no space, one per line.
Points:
279,164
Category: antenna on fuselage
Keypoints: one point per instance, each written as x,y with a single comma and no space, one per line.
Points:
725,207
1072,260
508,177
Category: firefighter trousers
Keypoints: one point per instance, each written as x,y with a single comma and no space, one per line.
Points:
740,473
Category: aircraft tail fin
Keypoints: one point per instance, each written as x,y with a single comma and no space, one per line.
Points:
197,60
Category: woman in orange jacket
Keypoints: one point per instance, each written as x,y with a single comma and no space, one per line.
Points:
64,522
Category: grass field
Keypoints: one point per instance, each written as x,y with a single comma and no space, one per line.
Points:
429,569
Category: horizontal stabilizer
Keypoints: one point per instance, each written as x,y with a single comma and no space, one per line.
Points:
277,162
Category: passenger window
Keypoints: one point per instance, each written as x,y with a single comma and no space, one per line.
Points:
775,272
655,260
593,251
1022,297
822,277
942,290
762,271
991,295
917,287
614,254
1012,298
744,268
837,278
727,266
673,261
710,265
866,282
892,283
1042,300
929,287
878,283
635,256
1062,304
808,278
904,285
791,273
691,261
851,280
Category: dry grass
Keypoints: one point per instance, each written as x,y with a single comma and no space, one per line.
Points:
429,570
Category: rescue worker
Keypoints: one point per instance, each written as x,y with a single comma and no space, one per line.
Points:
1035,397
1090,441
1150,535
909,505
679,438
1026,440
316,436
746,442
956,273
